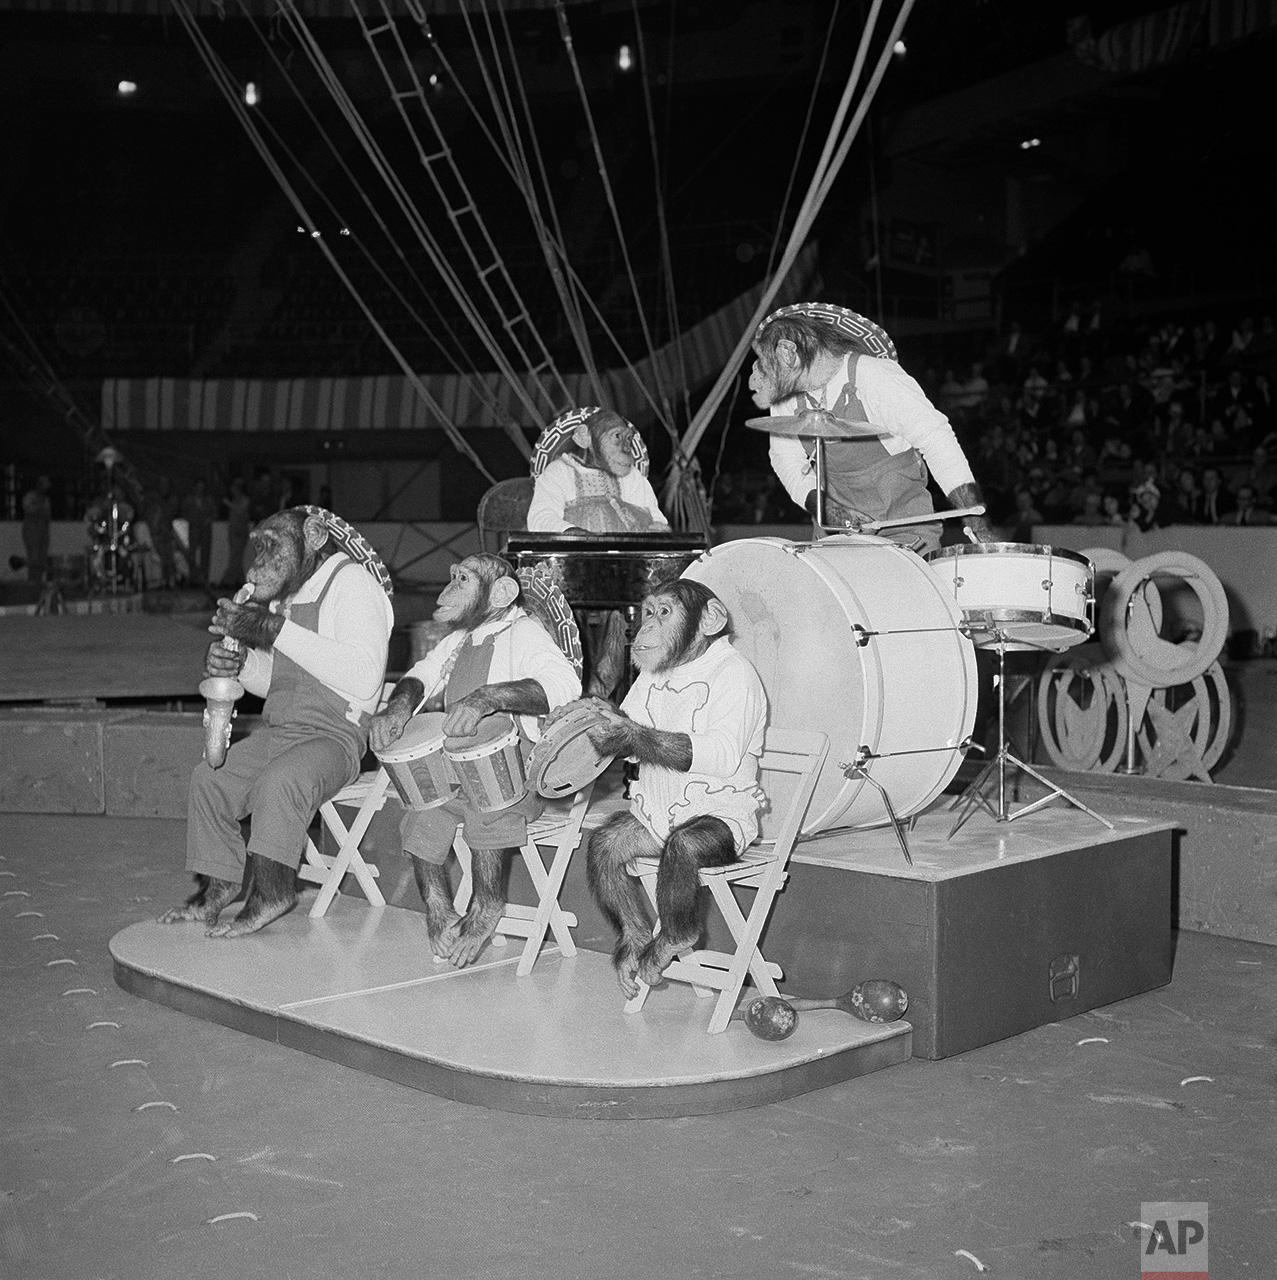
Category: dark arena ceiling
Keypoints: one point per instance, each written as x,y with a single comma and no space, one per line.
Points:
142,232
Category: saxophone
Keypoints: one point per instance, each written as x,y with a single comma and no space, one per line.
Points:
220,694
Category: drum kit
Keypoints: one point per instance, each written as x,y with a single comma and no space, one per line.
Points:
892,637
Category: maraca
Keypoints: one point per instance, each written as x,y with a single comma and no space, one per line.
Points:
874,1000
776,1018
769,1017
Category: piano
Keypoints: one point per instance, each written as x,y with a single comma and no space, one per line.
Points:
605,570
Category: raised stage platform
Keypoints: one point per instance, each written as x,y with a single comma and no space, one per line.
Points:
1005,928
360,987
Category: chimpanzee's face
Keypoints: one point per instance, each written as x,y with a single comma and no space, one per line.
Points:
775,377
666,637
614,450
464,601
278,550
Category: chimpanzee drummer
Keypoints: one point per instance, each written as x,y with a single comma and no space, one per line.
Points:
315,636
694,719
495,659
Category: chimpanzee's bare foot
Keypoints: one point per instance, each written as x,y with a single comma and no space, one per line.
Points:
477,926
442,926
205,904
252,917
626,962
655,958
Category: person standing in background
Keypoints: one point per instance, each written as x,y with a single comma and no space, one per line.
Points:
199,512
239,523
37,514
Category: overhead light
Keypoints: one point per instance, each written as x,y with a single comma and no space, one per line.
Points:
899,49
252,96
126,88
624,58
434,79
1029,143
345,231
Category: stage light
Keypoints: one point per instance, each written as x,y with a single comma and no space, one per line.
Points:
126,88
624,58
252,96
1029,143
434,80
314,235
899,49
345,231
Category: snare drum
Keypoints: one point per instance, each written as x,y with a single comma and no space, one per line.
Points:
417,766
565,760
489,765
1027,596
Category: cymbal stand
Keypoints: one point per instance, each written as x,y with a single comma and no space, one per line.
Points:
974,796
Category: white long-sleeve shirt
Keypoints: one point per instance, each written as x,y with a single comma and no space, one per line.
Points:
892,400
348,652
556,487
522,650
718,701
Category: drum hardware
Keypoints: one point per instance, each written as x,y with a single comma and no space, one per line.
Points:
863,635
973,797
857,769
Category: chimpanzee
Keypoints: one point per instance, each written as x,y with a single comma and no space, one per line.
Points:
495,659
694,720
313,641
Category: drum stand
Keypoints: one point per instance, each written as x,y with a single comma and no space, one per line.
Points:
974,796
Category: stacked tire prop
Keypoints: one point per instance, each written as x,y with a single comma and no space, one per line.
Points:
1136,699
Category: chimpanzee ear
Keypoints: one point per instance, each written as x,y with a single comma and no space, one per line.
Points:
714,619
581,436
315,532
503,593
786,353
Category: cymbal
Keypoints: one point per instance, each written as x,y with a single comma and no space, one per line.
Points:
816,424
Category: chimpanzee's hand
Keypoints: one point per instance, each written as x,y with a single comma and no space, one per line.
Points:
463,717
614,733
978,530
220,661
252,624
387,727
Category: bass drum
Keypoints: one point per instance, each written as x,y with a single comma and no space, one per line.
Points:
855,637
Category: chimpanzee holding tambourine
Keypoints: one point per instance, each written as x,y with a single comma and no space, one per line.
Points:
496,662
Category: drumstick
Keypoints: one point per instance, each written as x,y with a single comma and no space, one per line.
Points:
871,526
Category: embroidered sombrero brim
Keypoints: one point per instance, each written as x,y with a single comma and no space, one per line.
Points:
558,435
543,599
851,322
355,545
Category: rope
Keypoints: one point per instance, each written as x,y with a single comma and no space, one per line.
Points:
477,387
667,263
565,32
230,91
832,157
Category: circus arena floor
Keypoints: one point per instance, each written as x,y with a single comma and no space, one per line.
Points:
142,1141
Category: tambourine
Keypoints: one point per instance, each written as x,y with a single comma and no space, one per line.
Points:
565,760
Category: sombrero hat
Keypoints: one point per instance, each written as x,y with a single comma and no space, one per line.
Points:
354,544
851,322
558,435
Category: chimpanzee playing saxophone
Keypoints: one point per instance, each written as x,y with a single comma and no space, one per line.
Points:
694,720
313,639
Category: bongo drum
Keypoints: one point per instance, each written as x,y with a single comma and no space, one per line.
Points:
565,760
489,765
417,766
856,637
1029,596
